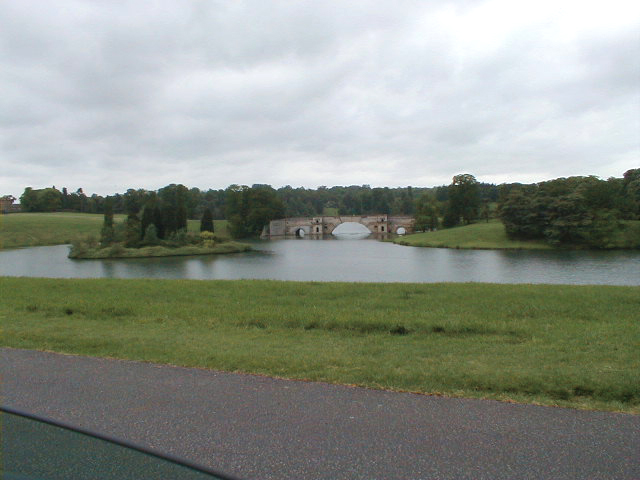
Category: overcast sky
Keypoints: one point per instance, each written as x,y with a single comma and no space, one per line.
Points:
112,94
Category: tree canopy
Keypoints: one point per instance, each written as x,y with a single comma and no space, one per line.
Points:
573,211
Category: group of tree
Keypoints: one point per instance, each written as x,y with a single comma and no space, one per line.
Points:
464,201
151,217
574,211
249,209
52,200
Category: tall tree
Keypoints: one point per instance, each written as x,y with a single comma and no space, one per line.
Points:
29,200
158,221
173,202
464,198
65,198
107,234
133,232
426,216
82,200
206,223
147,217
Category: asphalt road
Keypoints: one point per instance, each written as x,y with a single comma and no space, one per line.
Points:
263,428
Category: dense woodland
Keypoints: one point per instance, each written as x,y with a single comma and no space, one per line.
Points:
565,211
575,211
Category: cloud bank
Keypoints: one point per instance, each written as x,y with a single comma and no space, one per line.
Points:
107,95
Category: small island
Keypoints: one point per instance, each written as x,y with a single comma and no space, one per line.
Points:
120,251
161,232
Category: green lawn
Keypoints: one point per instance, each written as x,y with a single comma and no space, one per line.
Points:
571,346
480,235
33,229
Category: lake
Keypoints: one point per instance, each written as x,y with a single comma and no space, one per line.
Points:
363,260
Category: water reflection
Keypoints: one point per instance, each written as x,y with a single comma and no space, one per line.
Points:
361,261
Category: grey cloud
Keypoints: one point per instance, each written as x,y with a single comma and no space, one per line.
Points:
120,94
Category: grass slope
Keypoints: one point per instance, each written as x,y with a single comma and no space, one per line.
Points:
556,345
33,229
477,235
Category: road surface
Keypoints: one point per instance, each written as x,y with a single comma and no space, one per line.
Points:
263,428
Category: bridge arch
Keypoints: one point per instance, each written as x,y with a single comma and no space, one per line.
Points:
351,229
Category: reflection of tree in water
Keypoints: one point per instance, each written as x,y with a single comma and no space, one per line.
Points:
155,267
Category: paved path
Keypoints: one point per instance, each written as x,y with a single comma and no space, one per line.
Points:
264,428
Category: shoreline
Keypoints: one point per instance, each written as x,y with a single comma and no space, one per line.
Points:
108,253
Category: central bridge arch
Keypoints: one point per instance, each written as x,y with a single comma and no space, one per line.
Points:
325,225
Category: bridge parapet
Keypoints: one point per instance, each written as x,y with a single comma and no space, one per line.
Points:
325,225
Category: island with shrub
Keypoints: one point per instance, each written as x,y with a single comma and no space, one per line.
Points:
161,232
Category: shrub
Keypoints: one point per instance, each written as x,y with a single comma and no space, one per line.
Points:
151,235
116,250
208,239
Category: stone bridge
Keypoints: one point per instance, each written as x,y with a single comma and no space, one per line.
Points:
324,225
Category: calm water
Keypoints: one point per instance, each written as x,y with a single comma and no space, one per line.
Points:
344,260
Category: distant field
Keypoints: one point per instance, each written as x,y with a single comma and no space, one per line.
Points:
33,229
561,345
477,235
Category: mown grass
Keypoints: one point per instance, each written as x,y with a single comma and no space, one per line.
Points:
480,235
34,229
571,346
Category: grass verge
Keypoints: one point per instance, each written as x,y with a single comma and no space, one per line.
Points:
477,235
35,229
574,346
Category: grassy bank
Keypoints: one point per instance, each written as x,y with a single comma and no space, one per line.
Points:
492,235
555,345
118,251
477,235
34,229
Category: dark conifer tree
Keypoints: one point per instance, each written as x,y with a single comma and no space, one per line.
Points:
107,233
147,218
168,219
132,232
181,213
158,221
206,224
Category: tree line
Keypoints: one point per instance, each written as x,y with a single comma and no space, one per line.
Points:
565,211
248,209
296,202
